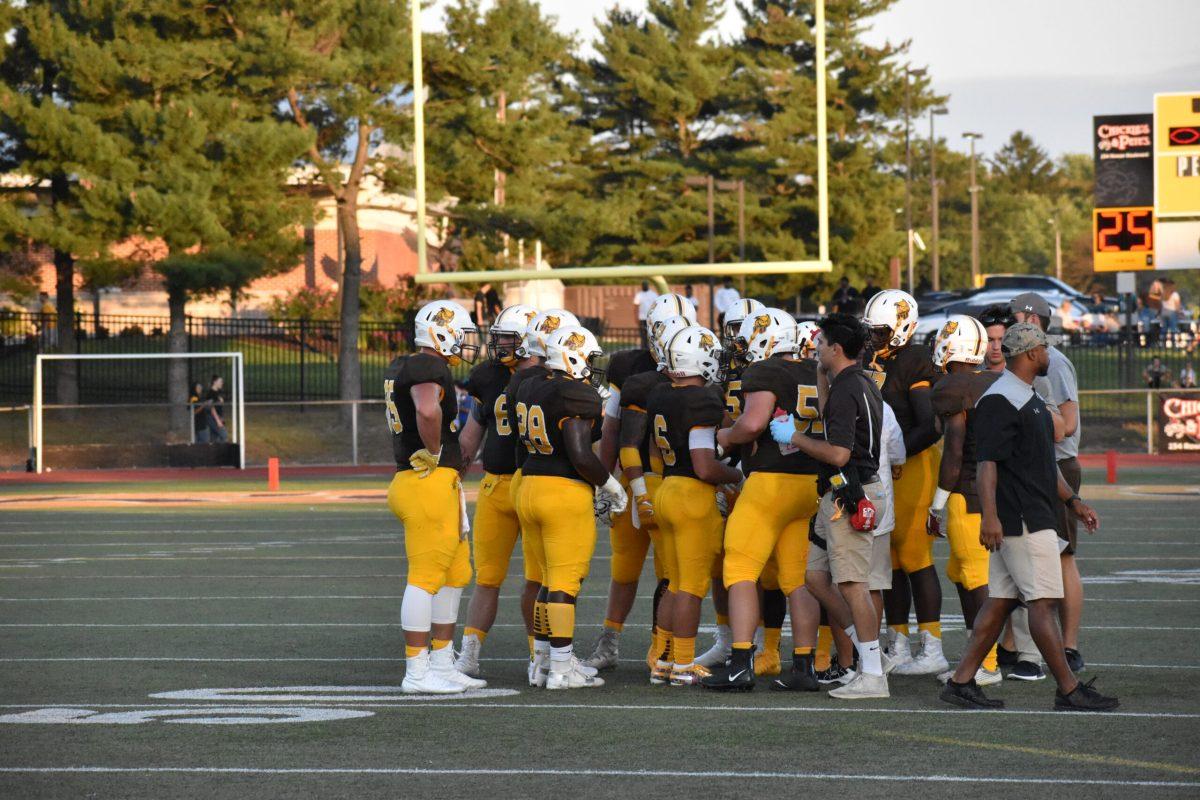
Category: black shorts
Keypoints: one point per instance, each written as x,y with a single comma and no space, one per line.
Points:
1068,526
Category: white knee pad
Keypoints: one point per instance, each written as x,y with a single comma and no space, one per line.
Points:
416,609
445,605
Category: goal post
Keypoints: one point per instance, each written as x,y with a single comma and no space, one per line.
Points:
237,394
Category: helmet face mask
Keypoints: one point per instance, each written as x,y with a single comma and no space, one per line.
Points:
661,334
733,321
507,333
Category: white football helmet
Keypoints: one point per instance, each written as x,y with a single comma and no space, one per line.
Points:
694,350
806,338
663,331
669,305
892,317
962,339
508,331
574,350
734,316
446,327
767,333
544,324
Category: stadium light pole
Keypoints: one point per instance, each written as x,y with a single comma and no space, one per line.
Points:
933,189
909,73
418,83
975,189
710,184
1057,247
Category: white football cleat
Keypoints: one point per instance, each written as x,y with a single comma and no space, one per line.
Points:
863,687
930,660
898,650
468,657
720,652
442,662
539,668
607,652
572,678
421,678
586,669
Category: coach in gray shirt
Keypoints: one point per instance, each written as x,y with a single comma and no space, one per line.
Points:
1060,389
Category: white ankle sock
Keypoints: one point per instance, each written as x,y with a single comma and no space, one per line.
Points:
561,655
869,658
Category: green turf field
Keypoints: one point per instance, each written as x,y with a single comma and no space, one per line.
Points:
119,625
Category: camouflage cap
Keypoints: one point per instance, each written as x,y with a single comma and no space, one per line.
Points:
1021,338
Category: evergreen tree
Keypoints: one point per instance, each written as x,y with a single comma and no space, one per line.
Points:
1022,165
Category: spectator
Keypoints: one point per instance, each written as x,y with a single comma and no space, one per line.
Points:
869,291
687,292
1156,374
1172,304
216,410
487,305
200,412
726,296
643,301
1187,376
47,320
466,403
845,299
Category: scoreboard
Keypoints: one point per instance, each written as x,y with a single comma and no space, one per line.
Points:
1123,219
1123,239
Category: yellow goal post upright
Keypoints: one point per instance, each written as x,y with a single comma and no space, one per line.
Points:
237,394
648,272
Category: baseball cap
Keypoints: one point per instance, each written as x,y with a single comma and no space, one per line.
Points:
1031,303
1021,338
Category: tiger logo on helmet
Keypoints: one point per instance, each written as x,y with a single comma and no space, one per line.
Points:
574,341
540,329
761,323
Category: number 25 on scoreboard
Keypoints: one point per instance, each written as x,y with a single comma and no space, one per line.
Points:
1123,238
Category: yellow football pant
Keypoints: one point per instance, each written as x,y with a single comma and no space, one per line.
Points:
968,564
689,521
771,516
533,570
912,547
558,522
495,530
630,544
438,554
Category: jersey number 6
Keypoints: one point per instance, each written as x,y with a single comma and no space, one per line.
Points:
389,403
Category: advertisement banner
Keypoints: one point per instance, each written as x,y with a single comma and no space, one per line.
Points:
1179,423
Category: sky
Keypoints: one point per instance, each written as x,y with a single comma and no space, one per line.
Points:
1042,66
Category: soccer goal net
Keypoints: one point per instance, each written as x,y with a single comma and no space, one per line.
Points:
133,410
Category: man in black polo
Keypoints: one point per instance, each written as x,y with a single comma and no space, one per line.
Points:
1018,480
852,495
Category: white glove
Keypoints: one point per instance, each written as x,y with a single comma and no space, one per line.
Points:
722,502
610,498
935,518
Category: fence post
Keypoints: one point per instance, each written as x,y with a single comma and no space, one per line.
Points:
1149,422
354,432
303,337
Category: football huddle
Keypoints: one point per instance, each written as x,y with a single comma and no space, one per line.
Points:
784,467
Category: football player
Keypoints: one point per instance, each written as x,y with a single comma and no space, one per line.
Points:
562,484
683,415
735,358
426,493
779,496
954,513
496,524
891,316
629,535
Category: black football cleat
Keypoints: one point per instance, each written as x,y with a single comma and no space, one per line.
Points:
1074,660
801,677
969,695
1084,698
736,676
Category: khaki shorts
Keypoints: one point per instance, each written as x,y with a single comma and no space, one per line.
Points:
1026,567
850,551
881,563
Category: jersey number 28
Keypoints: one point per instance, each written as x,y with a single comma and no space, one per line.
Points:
531,427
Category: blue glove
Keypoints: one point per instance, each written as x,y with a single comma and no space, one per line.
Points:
782,429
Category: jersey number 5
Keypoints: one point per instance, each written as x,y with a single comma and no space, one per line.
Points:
660,439
531,427
389,410
808,412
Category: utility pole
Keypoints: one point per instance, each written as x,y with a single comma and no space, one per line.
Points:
712,252
908,226
741,195
974,211
711,185
936,277
1057,247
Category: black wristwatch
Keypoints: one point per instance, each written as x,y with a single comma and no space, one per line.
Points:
1073,498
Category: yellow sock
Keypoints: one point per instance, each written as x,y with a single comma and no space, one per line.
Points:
723,619
934,628
742,645
438,644
901,629
685,650
562,620
771,637
412,652
614,626
824,647
802,651
989,661
478,634
657,643
530,638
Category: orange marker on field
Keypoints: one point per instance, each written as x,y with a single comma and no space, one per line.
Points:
272,474
1111,456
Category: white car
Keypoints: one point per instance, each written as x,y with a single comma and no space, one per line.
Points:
929,323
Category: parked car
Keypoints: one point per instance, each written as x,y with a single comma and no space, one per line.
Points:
929,323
